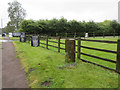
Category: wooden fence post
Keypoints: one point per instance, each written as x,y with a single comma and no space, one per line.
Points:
79,48
66,35
118,56
103,35
69,50
84,35
59,44
93,34
75,35
29,39
114,34
47,42
56,34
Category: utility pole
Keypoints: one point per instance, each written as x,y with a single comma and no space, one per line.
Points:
1,26
119,12
1,23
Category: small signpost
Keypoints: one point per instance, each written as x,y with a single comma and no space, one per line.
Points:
70,50
22,37
35,41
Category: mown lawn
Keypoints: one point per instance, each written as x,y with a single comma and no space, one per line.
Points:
1,37
12,38
98,45
46,68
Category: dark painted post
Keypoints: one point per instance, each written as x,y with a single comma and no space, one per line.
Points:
59,44
118,56
69,50
39,39
79,48
47,42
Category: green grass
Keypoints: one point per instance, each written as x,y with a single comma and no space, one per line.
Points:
98,45
12,38
47,62
106,38
1,37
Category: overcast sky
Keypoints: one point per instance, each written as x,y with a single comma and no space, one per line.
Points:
97,10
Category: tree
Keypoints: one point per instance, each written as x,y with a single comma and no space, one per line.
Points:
9,28
75,26
16,14
27,26
115,25
91,26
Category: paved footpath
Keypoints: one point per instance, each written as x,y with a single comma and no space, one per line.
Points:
13,75
0,65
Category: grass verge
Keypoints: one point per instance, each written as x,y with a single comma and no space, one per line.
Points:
13,38
48,69
98,45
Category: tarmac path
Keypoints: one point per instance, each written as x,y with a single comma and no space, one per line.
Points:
13,75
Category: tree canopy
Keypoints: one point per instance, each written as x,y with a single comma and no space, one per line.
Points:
16,14
64,26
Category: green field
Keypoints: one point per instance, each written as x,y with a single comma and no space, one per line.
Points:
12,38
1,37
48,69
98,45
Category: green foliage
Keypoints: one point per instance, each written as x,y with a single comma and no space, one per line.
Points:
28,26
9,27
63,26
105,26
16,14
115,26
91,26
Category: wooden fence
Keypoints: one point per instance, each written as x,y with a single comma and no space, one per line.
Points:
58,42
74,35
117,62
79,47
90,34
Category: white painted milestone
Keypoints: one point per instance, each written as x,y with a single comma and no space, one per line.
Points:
10,35
86,35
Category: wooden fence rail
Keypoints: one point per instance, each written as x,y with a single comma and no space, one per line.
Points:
48,45
98,57
99,49
79,53
102,41
117,62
